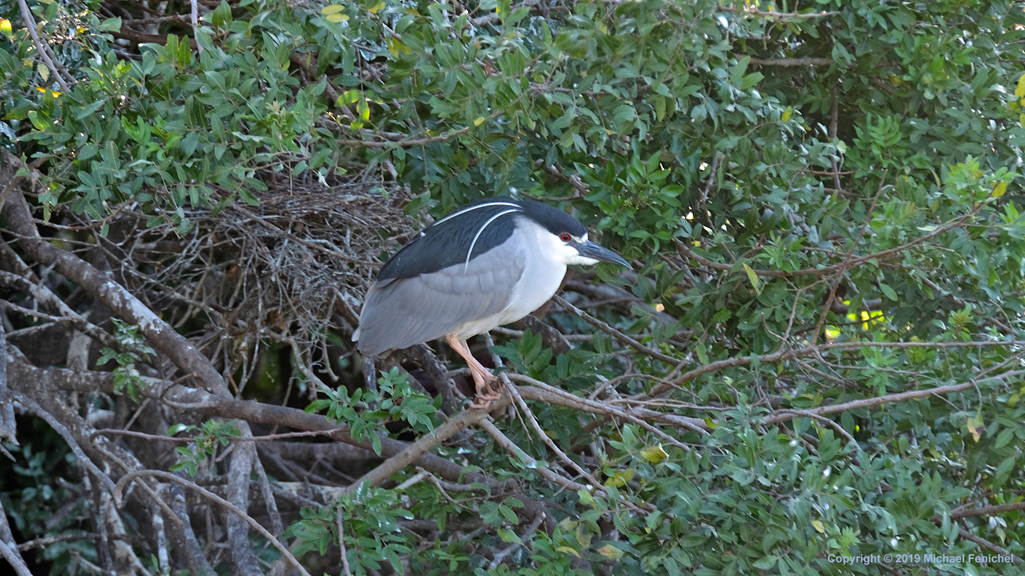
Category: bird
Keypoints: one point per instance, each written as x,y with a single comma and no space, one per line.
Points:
489,263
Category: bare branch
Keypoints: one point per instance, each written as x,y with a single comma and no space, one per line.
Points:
987,510
9,549
42,47
773,15
527,459
791,62
8,427
128,478
804,352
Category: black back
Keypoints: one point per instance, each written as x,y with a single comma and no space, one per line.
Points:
446,242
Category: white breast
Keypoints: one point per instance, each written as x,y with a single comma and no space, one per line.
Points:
544,259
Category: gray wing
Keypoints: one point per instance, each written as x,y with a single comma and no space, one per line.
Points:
399,313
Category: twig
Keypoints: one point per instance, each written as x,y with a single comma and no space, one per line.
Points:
810,414
544,437
963,533
8,550
527,459
772,14
501,554
341,541
788,414
623,338
791,62
127,478
827,306
545,393
493,17
68,437
511,388
827,270
41,47
44,296
834,117
987,510
800,353
414,142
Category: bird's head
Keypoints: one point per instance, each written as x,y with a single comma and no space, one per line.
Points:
563,237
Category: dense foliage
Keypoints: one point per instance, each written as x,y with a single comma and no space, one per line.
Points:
812,367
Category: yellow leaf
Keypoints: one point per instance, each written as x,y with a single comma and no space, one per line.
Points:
480,120
44,72
337,17
654,454
348,97
818,526
1000,188
753,278
565,549
5,27
620,478
377,8
1020,90
975,426
611,552
396,46
583,536
788,113
332,9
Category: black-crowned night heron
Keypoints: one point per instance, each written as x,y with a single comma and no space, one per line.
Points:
489,263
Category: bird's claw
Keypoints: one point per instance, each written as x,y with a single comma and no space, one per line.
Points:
487,392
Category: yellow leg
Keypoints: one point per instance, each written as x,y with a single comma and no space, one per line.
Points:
486,382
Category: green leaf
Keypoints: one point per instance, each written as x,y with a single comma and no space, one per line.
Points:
752,277
1003,472
508,536
889,292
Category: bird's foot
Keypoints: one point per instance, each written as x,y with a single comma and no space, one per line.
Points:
489,389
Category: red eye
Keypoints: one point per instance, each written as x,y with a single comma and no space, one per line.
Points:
565,237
